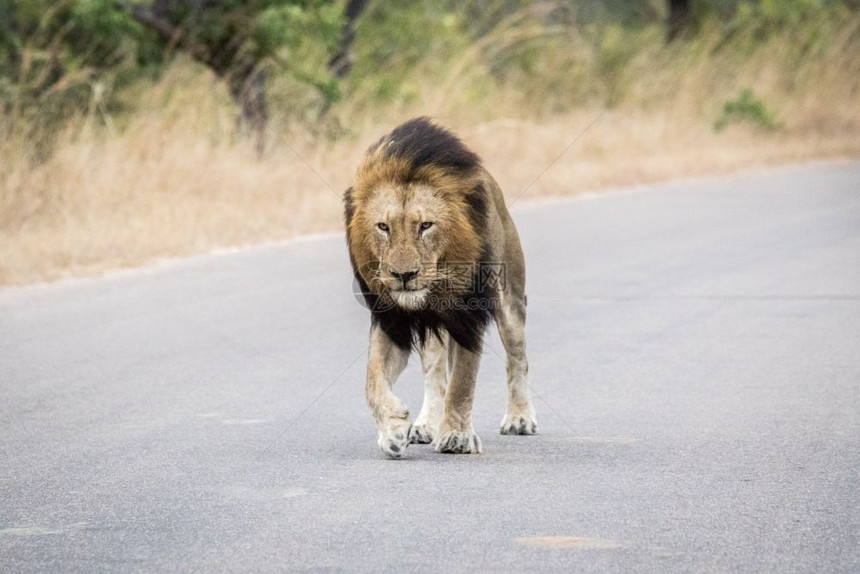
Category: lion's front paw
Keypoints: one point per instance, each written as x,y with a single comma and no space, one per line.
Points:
421,434
458,442
523,423
394,440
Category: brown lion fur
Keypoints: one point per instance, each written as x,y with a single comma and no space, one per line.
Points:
437,257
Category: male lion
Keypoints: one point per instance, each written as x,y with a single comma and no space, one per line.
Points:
436,255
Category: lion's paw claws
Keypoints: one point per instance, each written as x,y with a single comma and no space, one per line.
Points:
518,424
420,434
394,443
458,442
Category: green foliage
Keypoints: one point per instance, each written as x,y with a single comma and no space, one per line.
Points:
295,38
63,58
750,109
771,15
56,60
394,38
58,57
757,20
615,49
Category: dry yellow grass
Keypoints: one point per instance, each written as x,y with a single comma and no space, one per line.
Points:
156,191
173,180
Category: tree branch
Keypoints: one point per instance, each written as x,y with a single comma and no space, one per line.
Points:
172,35
341,63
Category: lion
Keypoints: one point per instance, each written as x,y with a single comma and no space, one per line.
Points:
437,257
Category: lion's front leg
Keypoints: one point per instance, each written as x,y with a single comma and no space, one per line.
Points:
385,363
434,359
456,433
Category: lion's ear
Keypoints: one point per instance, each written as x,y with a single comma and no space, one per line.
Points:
349,205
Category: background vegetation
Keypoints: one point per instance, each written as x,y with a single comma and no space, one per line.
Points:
135,130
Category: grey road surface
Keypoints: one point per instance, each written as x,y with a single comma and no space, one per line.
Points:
695,357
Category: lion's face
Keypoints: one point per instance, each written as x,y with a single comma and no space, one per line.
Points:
408,239
410,232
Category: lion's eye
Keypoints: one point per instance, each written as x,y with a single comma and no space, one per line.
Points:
426,225
382,227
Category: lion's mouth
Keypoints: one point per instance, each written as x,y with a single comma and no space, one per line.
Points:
410,298
402,289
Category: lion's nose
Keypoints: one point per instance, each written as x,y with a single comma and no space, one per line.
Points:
404,276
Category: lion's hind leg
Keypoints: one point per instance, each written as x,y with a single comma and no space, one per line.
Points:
520,414
434,357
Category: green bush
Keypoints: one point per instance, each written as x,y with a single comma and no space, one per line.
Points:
747,108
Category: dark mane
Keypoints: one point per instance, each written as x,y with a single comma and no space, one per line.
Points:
422,143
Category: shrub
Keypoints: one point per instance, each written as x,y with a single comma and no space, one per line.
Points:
747,108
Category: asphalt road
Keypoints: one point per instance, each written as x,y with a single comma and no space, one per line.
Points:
695,356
